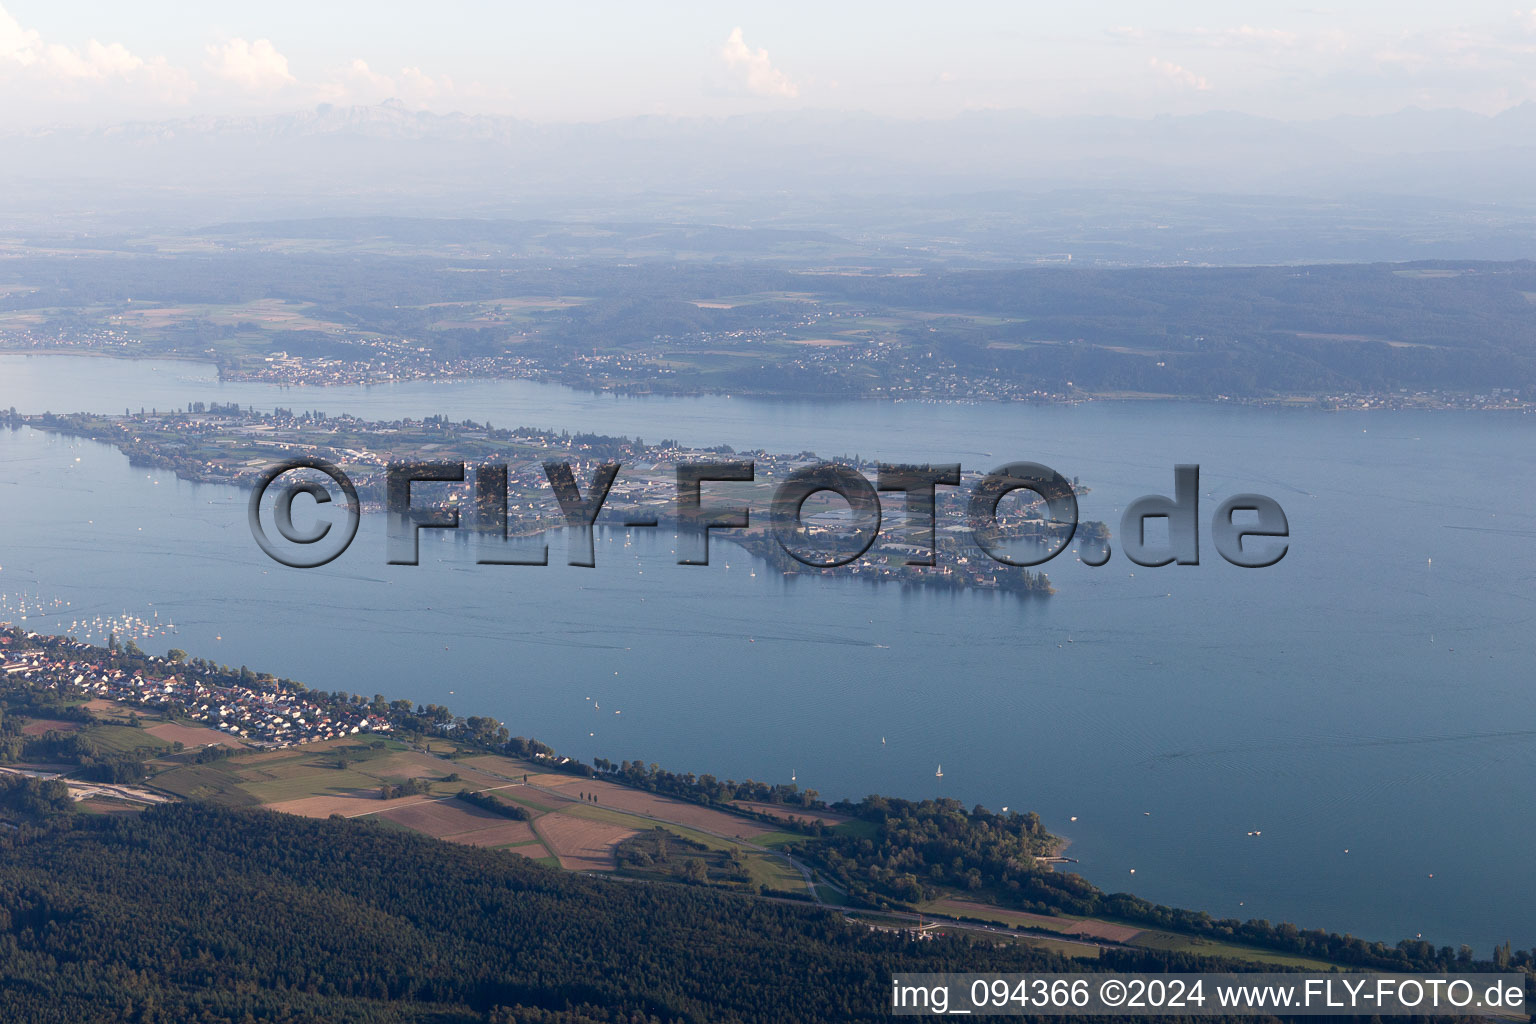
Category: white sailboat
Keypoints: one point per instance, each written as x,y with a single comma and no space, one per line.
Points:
940,773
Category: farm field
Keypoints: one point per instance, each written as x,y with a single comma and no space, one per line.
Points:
567,830
277,782
1093,929
123,738
398,765
438,818
1080,927
765,869
108,708
784,812
217,782
516,836
348,805
1207,947
581,843
459,822
509,768
106,805
531,800
191,735
39,726
636,801
314,770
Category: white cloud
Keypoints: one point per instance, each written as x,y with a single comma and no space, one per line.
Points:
69,72
757,71
25,47
362,75
359,83
255,66
97,61
19,45
1178,74
1249,35
1243,37
417,84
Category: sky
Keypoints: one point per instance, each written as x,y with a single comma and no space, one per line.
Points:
95,62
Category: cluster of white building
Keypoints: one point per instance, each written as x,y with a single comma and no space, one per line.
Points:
260,716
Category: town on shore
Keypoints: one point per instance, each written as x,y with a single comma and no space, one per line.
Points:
225,444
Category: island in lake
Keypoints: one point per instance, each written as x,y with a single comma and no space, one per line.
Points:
228,445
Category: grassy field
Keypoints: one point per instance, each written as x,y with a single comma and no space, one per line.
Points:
308,771
764,869
996,915
218,782
831,896
123,739
298,781
774,873
532,802
636,822
311,780
1208,947
1073,950
106,805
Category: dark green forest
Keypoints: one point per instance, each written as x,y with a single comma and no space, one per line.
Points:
189,914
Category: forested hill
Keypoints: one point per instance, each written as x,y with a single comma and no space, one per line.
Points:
195,914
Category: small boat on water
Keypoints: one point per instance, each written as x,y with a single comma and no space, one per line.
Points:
940,773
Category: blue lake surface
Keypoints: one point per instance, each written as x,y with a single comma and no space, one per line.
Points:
1372,693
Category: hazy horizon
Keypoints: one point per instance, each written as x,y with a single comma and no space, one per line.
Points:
103,63
1013,132
1210,187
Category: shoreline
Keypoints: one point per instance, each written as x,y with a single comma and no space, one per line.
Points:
1348,402
1120,911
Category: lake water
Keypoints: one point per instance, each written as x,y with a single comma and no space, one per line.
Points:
1356,696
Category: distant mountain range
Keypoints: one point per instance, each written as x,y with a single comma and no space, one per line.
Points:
1221,151
805,170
